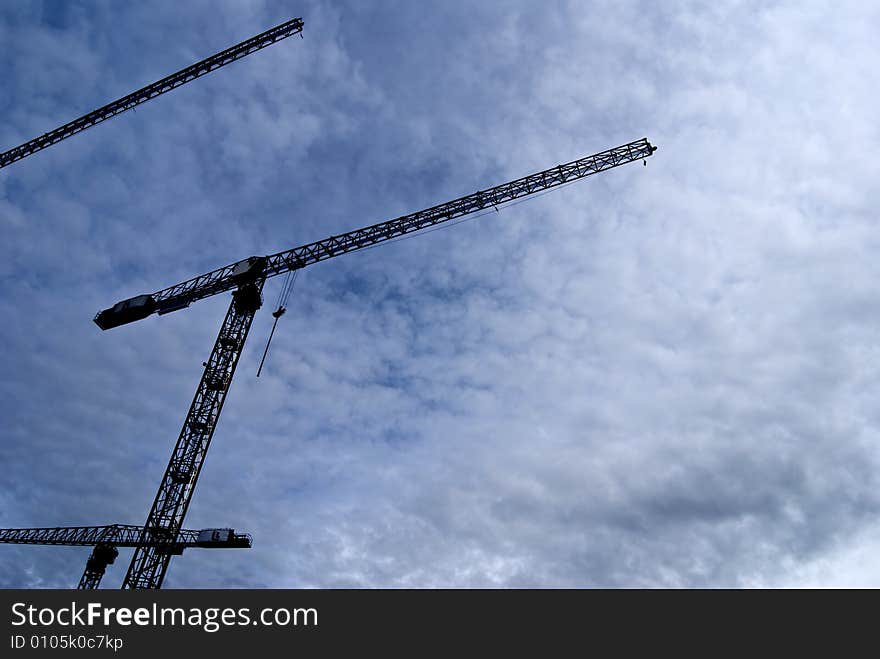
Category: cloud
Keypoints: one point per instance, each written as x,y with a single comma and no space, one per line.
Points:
659,376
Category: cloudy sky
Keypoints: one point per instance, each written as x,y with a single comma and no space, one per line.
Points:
660,376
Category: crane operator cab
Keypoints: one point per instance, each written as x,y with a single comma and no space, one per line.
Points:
248,296
247,269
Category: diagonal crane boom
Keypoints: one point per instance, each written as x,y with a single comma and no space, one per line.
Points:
227,278
246,278
153,90
105,540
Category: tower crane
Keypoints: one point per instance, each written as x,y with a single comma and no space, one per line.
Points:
245,279
144,94
105,539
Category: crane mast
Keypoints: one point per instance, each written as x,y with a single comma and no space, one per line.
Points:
246,279
153,90
149,564
105,539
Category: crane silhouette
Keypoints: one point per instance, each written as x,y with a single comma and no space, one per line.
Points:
245,279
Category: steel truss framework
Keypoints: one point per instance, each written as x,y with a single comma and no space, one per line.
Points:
103,554
153,90
220,280
150,562
105,540
148,565
121,535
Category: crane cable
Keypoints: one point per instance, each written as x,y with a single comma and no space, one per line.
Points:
283,295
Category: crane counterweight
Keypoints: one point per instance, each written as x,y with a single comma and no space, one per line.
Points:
126,311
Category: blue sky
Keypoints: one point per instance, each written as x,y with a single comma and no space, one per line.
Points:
661,376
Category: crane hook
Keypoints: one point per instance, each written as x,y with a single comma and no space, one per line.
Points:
275,314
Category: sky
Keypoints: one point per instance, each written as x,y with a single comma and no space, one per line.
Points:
660,376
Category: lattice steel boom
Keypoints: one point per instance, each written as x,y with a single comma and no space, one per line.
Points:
149,564
228,277
120,535
153,90
105,540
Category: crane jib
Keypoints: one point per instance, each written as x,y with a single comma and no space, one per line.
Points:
124,535
232,276
105,541
153,90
